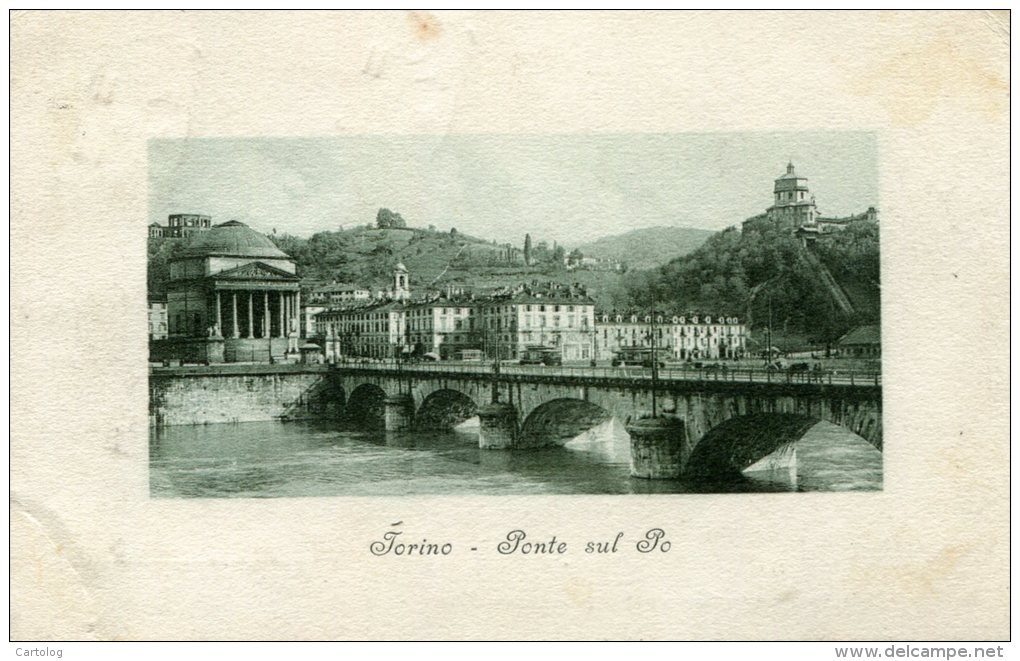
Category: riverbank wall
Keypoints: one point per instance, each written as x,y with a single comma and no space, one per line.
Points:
200,395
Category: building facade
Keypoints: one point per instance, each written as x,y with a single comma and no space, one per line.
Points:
376,329
551,315
181,225
337,293
442,325
233,296
681,336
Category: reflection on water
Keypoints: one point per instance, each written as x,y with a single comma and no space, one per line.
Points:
274,459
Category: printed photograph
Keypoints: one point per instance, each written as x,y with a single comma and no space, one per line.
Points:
397,315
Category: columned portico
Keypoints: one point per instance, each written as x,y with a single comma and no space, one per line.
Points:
233,288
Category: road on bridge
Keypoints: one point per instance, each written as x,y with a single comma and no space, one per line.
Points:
744,375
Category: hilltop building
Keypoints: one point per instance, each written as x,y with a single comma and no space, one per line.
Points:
794,208
586,263
181,225
233,296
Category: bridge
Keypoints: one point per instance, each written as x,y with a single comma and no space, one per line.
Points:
709,420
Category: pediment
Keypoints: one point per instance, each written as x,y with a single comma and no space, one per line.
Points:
255,271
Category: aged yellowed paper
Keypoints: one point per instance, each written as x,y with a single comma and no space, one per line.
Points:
904,110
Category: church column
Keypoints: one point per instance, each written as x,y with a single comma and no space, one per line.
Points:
265,314
219,316
251,319
234,330
285,330
297,311
279,301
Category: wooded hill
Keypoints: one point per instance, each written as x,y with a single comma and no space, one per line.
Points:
740,272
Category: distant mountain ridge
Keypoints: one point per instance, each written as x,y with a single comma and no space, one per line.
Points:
647,247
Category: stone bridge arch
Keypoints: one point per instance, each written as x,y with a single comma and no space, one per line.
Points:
557,421
366,405
740,442
743,441
444,408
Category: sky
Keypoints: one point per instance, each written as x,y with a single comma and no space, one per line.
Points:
571,188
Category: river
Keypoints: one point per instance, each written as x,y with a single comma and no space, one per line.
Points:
291,459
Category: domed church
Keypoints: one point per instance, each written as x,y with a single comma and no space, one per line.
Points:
233,296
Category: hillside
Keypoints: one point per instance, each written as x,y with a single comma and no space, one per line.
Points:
748,272
647,247
366,256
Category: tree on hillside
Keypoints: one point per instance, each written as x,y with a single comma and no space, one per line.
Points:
527,250
160,252
387,219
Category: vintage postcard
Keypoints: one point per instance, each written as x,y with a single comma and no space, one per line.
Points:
482,352
593,325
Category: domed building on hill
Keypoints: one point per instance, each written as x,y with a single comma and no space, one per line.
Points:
233,296
794,208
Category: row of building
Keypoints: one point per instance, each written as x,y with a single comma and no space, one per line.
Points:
506,323
233,296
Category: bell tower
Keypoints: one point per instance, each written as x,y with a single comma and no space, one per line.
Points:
401,288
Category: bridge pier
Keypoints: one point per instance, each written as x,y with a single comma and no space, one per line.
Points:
657,448
497,428
398,412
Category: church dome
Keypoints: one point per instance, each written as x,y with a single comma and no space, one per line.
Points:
400,267
233,239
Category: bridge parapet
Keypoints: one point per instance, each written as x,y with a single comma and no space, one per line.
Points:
545,406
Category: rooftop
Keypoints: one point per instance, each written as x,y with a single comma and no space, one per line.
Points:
233,239
863,335
544,292
665,314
